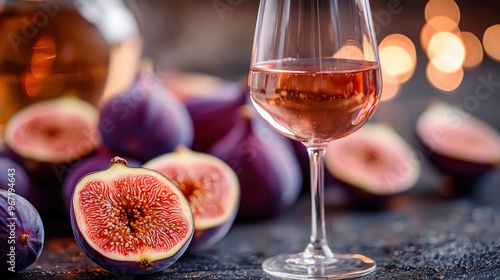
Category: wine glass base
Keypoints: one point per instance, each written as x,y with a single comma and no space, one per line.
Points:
340,266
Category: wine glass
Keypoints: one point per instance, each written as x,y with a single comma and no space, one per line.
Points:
315,77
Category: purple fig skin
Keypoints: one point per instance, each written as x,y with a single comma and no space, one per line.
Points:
145,121
363,199
455,167
3,152
90,164
28,232
266,166
129,268
461,178
23,185
214,115
203,239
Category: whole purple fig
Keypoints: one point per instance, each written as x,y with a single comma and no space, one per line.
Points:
265,163
23,186
21,233
145,121
211,101
213,116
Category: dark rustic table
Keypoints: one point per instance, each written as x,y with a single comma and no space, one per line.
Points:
420,235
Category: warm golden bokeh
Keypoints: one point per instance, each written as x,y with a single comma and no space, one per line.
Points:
446,52
447,8
390,87
44,54
473,50
398,60
446,81
350,52
435,25
368,51
491,41
398,57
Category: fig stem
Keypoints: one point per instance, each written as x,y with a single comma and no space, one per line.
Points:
318,245
118,160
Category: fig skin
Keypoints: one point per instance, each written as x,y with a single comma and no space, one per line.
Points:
3,152
130,267
29,233
145,121
214,116
462,147
211,101
374,166
88,165
23,185
204,237
264,161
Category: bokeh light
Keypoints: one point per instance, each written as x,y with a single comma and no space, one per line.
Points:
446,81
446,52
473,50
350,52
491,42
368,51
447,8
390,87
435,25
398,57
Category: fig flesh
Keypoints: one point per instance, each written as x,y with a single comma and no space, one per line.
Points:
85,166
458,143
265,163
145,121
211,188
21,233
131,220
375,164
54,131
212,103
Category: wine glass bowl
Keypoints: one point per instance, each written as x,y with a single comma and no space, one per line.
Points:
315,77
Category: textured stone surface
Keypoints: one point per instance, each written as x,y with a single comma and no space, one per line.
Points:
420,236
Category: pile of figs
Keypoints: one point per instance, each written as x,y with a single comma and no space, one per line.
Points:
208,156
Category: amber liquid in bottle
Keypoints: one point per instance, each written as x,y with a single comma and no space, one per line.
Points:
47,53
310,105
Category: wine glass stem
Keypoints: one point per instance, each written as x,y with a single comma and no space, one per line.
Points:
318,246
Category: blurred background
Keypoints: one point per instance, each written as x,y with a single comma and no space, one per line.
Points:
439,49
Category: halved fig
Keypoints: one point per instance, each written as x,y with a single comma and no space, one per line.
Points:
211,188
375,163
458,143
85,166
54,131
131,220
